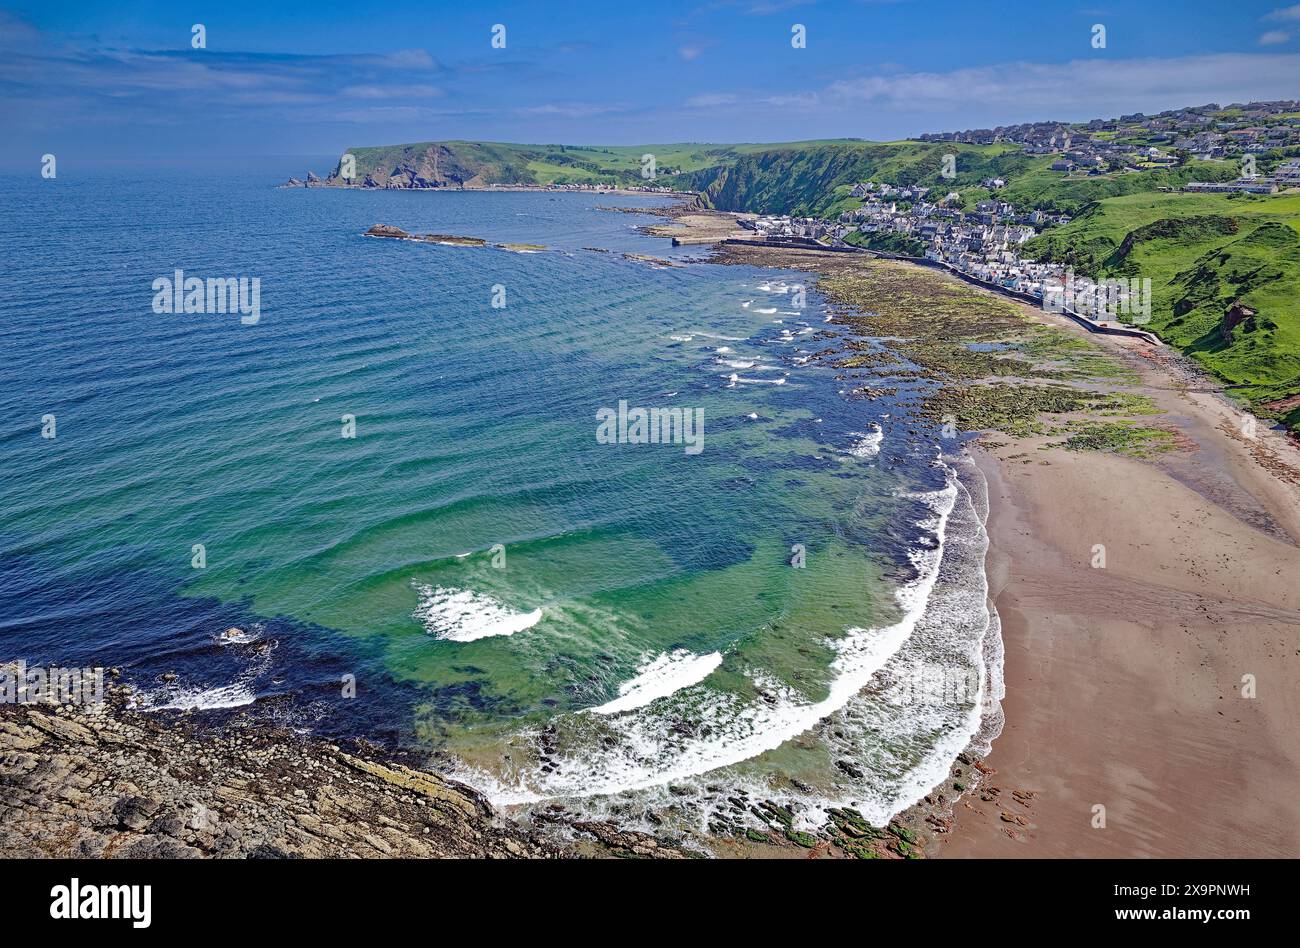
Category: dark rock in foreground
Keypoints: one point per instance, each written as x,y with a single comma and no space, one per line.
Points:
121,784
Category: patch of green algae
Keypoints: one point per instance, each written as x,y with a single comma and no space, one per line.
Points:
999,369
1120,437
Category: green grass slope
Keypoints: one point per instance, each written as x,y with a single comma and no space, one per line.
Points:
456,163
815,179
1204,253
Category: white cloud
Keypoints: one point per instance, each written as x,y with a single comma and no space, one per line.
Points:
391,113
1285,13
711,100
1097,86
392,92
410,59
1273,38
570,109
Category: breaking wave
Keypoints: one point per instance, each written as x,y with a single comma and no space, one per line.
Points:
462,615
660,677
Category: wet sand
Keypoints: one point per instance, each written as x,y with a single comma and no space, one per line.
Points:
1125,682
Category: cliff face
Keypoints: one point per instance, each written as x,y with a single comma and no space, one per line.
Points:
426,165
431,166
116,783
460,164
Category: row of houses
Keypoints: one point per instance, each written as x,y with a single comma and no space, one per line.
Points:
778,226
869,189
1207,132
1286,175
1256,185
888,215
985,243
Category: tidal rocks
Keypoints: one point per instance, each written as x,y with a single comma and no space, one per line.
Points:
799,838
396,233
74,782
449,240
388,230
626,843
652,261
850,768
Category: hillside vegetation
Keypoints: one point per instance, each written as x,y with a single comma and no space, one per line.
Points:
815,180
1210,258
810,178
477,164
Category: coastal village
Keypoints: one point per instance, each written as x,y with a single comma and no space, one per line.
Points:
984,242
977,232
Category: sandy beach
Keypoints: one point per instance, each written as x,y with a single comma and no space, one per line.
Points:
1125,683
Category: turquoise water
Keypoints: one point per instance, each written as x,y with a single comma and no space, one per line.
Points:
553,618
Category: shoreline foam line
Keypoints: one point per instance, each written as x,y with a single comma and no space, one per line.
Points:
983,722
649,754
660,677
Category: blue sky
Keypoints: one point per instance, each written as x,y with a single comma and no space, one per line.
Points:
115,81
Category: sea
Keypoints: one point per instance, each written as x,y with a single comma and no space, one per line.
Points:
386,507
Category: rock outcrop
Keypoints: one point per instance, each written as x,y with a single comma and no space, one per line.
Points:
1237,315
396,233
388,230
121,784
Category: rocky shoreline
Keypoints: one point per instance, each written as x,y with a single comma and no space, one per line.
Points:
78,782
108,781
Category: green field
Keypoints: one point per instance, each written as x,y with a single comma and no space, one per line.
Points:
1203,253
